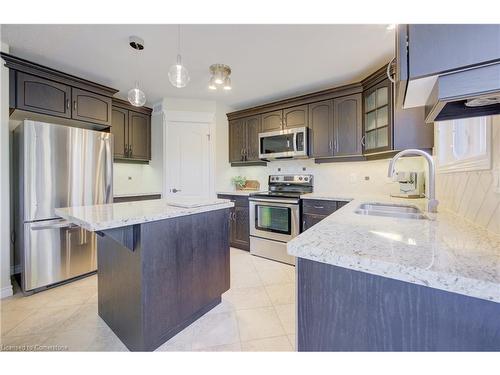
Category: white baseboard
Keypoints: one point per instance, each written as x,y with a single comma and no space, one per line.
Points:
6,291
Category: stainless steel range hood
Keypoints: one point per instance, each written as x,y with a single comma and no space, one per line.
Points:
466,93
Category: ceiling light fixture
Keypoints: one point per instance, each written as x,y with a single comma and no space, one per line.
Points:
219,76
178,75
136,96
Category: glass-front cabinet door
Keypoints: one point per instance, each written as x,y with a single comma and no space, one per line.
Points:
378,118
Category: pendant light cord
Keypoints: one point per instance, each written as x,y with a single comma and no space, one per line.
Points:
179,39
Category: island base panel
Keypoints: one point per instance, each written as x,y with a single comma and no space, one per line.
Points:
176,272
345,310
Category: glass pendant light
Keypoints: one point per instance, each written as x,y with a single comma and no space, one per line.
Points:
178,75
136,96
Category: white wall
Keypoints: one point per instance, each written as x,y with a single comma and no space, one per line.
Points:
223,170
5,248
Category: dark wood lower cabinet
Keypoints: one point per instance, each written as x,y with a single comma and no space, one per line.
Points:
239,225
345,310
308,220
315,210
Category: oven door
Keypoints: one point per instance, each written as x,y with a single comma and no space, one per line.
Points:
274,219
291,143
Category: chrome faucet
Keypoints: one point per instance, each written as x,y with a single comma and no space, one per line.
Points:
433,202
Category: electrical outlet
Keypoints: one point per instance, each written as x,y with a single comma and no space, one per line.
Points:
496,180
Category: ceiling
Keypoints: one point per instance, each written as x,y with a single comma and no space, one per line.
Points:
269,62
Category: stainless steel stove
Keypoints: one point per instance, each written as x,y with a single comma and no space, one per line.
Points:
275,216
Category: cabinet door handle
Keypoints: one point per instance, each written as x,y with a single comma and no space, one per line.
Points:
330,145
363,140
388,71
125,150
130,151
67,103
74,105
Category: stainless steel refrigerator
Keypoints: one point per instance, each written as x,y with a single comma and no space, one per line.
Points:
57,166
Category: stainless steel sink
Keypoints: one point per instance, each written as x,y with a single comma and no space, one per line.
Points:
391,210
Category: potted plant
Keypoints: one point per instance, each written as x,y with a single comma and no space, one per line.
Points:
239,182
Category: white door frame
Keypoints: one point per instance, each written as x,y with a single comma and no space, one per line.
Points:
191,117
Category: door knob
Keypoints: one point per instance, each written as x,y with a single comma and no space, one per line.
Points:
174,190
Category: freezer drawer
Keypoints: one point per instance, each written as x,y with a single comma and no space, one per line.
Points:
56,250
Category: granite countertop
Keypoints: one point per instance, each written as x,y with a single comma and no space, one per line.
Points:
445,252
115,215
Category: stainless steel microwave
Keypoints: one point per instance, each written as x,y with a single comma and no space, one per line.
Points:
284,144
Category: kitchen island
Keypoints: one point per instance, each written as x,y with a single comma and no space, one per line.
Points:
161,264
374,283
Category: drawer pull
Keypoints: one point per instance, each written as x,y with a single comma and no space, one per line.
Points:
319,207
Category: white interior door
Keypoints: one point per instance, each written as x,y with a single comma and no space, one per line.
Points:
188,159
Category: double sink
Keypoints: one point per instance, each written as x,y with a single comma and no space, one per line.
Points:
391,210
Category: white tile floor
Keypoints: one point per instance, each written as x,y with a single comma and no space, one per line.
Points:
256,314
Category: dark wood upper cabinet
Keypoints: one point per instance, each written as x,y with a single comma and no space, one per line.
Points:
347,126
378,109
119,129
237,140
321,129
295,117
349,123
43,96
139,135
91,107
45,92
272,121
131,127
387,127
244,140
253,128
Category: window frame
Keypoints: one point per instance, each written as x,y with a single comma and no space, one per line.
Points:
474,163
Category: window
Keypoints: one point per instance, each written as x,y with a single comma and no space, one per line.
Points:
463,144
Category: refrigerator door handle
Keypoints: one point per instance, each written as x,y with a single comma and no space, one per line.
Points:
58,225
